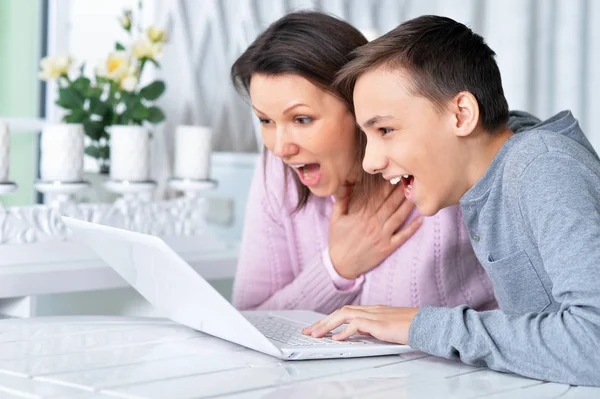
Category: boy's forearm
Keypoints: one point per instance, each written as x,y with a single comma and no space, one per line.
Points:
558,347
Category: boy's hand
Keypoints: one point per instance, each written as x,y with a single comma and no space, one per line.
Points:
385,323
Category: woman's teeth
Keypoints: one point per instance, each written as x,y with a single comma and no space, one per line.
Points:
298,166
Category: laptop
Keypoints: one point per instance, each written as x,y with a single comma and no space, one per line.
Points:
169,283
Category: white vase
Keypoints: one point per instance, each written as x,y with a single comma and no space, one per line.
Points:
129,153
192,152
4,152
61,152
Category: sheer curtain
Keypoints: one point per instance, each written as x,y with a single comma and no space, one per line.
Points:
546,50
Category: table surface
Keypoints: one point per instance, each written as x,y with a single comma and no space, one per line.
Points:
85,357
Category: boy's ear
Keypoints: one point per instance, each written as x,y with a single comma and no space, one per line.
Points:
466,113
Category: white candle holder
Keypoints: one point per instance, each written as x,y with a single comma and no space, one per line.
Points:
61,158
7,187
190,187
60,193
132,190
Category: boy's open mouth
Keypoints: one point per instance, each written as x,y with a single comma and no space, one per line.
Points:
407,181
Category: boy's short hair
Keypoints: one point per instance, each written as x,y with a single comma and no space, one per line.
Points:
442,58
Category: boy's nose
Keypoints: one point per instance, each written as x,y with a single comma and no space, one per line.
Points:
375,160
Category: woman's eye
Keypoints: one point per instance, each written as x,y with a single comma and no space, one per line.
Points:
264,121
303,120
384,130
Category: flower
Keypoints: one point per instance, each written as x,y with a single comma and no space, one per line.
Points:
144,48
116,66
157,35
55,67
125,20
129,81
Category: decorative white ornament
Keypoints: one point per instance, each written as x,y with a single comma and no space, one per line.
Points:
40,223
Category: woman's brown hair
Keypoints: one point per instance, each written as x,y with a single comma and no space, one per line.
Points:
309,44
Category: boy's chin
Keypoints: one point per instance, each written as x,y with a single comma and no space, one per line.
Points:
427,209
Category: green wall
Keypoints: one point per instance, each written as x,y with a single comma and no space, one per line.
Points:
20,36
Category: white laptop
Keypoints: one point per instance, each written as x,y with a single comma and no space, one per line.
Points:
168,282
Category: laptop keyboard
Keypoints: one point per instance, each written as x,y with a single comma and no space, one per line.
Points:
290,333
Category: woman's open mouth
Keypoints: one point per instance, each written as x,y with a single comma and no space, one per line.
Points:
309,174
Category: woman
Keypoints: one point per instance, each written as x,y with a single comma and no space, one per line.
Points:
309,240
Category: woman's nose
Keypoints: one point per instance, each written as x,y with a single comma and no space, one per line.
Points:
284,147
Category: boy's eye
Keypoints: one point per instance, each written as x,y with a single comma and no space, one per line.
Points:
385,130
303,120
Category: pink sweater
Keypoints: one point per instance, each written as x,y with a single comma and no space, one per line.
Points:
284,256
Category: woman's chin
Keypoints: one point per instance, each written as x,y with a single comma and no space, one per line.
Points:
322,190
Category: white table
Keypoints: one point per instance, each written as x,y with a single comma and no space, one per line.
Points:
67,267
108,357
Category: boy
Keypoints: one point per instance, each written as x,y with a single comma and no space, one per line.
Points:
429,97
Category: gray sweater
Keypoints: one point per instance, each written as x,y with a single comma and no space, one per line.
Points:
534,221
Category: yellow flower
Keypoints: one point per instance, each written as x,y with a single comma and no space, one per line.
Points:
116,66
157,35
55,67
144,48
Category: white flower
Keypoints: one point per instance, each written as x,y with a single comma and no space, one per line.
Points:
116,66
129,81
55,67
157,35
144,48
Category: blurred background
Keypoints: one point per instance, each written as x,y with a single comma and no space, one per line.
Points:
548,52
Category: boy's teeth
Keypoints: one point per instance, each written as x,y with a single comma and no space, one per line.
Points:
406,176
298,166
395,180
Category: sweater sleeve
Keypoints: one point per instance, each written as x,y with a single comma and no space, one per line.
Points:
560,202
265,279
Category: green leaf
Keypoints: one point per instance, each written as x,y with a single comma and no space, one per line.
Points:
93,92
82,84
94,130
92,151
99,107
69,98
104,152
76,116
125,118
155,115
153,90
138,112
119,46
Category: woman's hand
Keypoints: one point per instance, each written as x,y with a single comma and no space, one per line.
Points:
385,323
360,239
